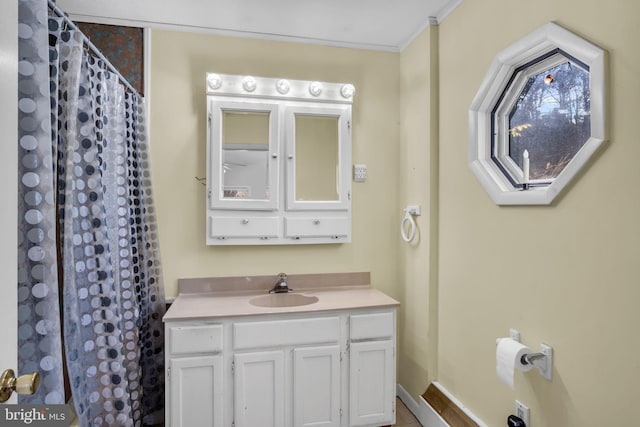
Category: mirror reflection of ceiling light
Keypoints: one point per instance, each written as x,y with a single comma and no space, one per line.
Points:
283,86
347,90
249,84
315,88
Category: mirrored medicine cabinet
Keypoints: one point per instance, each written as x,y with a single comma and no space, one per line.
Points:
278,161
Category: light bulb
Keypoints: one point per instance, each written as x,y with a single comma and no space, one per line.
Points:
283,86
249,84
347,90
214,81
315,88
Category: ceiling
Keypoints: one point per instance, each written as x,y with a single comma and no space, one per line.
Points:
369,24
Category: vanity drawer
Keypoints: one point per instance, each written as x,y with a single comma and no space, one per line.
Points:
369,326
195,339
279,333
316,227
222,227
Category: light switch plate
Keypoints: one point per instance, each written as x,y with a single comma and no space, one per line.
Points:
359,173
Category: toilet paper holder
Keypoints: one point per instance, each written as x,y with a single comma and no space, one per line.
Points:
539,360
543,360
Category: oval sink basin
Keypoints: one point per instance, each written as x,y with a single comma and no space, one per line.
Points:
282,300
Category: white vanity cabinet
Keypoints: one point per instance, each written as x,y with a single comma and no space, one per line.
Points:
372,376
194,375
330,369
278,161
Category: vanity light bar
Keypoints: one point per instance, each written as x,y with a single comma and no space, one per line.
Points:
267,87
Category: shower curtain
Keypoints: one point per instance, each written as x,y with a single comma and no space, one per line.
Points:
87,221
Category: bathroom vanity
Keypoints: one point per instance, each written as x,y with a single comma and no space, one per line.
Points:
322,355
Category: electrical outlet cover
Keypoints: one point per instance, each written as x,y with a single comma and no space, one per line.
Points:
522,412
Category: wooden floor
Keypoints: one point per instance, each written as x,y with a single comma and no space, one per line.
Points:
404,417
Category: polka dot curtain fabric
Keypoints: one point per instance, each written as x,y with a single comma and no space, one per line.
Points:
39,339
109,258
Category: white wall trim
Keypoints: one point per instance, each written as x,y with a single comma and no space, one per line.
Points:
447,10
460,405
228,33
406,398
426,415
433,21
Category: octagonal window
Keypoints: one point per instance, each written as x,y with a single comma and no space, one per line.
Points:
538,116
546,118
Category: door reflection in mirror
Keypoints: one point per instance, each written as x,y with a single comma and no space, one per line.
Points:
245,155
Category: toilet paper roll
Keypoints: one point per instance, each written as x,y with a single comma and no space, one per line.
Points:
509,358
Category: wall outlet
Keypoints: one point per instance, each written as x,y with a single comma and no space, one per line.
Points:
522,412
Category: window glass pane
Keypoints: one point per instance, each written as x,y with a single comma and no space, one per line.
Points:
551,119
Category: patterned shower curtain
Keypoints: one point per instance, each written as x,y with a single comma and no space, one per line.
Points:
86,191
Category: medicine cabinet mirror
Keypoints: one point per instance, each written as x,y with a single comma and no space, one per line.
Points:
278,161
538,117
315,150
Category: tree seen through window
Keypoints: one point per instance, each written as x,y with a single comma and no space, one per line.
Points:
551,119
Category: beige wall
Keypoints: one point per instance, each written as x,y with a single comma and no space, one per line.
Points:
178,127
418,186
565,274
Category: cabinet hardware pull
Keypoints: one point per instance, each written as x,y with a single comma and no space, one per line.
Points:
245,221
316,221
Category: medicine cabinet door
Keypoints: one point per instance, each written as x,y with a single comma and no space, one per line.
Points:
243,155
318,157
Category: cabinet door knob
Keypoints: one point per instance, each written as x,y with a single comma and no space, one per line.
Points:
290,156
24,384
316,221
245,221
274,155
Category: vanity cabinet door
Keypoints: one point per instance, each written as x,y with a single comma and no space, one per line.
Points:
371,383
196,391
259,389
316,386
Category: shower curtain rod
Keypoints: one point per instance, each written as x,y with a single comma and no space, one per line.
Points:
91,46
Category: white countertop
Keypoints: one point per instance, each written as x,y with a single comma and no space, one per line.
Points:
194,305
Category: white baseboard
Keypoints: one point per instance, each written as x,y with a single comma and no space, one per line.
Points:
426,415
423,412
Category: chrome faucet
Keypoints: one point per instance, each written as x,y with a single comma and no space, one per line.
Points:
281,286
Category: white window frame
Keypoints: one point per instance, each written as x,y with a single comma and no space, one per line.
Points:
536,44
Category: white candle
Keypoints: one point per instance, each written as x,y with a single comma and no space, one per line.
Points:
525,167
